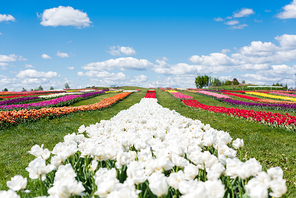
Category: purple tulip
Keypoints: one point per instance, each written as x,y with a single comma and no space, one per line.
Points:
17,100
50,102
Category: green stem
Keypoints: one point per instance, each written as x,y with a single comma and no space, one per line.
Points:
42,186
230,185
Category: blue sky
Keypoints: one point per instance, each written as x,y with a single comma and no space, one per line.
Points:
148,44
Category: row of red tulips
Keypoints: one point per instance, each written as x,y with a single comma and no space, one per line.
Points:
150,94
273,119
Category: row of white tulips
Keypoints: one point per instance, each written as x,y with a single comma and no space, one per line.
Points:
60,94
147,151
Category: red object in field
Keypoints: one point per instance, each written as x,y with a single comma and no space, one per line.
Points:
150,94
259,116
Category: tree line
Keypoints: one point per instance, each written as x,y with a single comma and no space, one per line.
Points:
207,81
40,88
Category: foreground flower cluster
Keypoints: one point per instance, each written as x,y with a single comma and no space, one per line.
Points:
148,151
10,117
273,119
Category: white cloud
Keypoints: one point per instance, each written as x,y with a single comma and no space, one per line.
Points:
71,68
65,16
6,17
287,41
239,26
264,66
45,56
141,78
218,19
3,64
233,22
289,11
31,73
0,33
215,59
29,66
10,58
106,75
127,63
245,12
116,51
258,21
80,73
62,55
225,51
259,48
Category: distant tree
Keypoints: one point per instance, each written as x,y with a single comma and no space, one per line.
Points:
67,86
31,89
235,81
24,89
51,88
216,82
244,82
227,82
5,89
40,88
202,81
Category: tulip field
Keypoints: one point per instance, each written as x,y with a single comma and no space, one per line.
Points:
144,143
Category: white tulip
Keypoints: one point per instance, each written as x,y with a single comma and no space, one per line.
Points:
158,184
17,183
238,143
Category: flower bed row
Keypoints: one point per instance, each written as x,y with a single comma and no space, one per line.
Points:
179,95
259,99
283,94
273,119
58,102
18,100
10,117
215,95
271,96
290,107
150,94
147,151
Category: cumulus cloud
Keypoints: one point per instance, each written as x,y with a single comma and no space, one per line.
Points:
127,63
289,11
105,75
29,66
218,19
233,22
119,50
225,51
65,16
6,17
214,59
10,58
239,26
3,64
31,73
62,55
71,68
287,41
45,56
245,12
